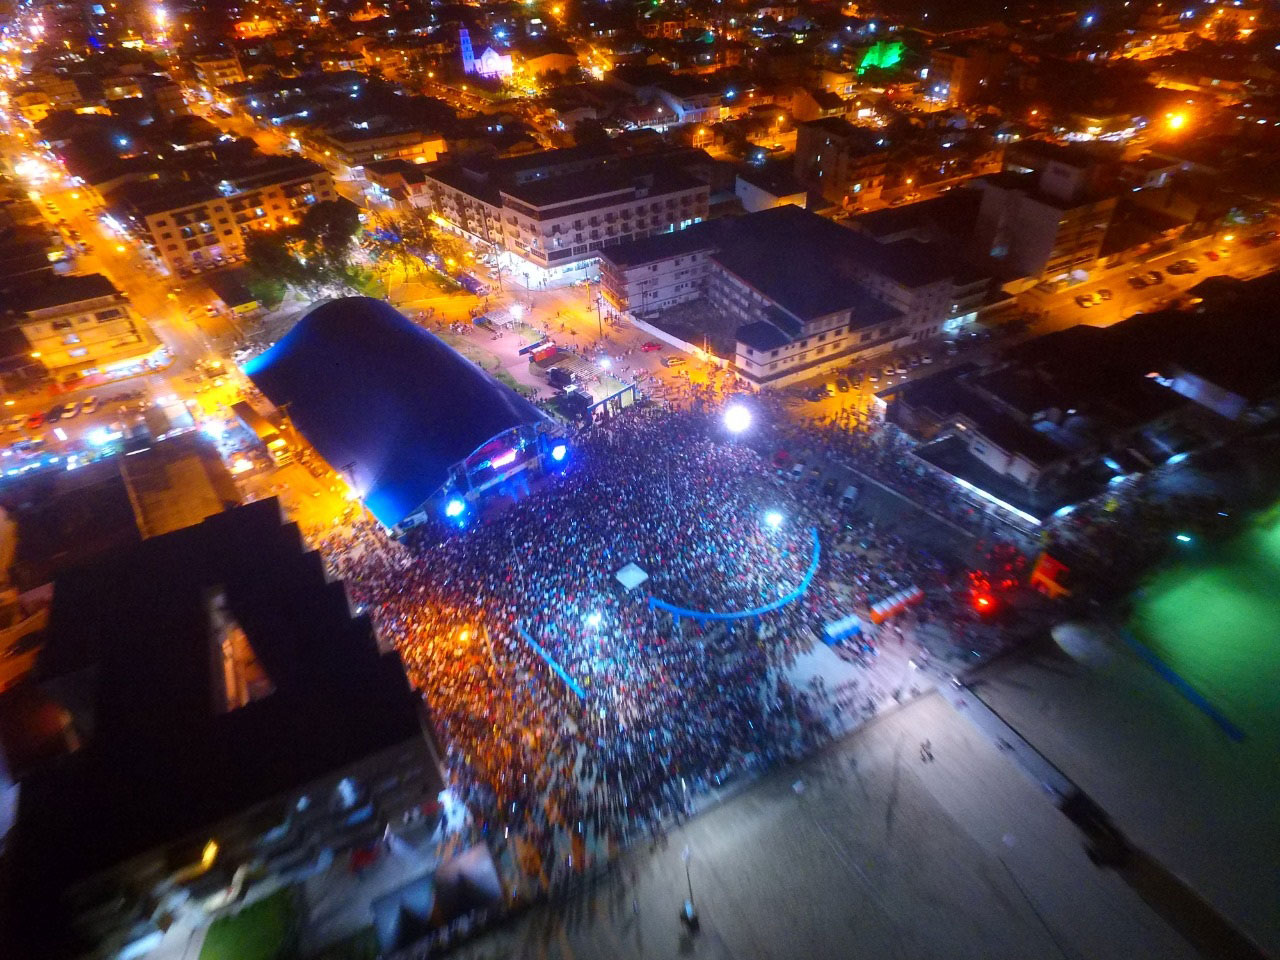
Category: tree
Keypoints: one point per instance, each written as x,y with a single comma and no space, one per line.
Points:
327,231
270,259
1224,29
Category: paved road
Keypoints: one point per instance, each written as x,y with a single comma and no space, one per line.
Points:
865,851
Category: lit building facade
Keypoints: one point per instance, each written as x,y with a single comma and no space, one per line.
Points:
80,326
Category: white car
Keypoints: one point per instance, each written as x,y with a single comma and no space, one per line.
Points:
90,404
15,423
70,409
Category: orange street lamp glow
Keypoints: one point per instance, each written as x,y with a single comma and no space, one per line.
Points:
1176,121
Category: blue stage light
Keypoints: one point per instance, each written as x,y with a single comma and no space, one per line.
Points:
454,507
559,452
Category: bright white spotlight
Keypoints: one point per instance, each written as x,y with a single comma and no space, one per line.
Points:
517,311
736,418
559,452
454,507
774,519
594,620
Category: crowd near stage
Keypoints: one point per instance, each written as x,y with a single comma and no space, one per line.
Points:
577,713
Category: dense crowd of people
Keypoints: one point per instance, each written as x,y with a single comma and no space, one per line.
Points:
670,707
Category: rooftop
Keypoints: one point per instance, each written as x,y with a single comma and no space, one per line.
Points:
58,291
583,185
134,650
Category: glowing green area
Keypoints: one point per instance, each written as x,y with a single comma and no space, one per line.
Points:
1215,619
883,54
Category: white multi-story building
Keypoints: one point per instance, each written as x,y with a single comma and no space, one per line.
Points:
806,294
649,275
550,215
215,70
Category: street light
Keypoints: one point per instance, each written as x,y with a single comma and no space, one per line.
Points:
774,519
737,418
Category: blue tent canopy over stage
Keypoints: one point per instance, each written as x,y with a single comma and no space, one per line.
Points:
393,407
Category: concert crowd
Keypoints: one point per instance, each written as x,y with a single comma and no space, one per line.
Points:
664,709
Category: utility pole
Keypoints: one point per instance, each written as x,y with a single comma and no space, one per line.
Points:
688,914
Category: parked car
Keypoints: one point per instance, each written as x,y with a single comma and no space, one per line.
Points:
829,487
70,409
926,359
1139,283
1087,300
674,361
89,406
1154,277
1103,294
1186,265
14,423
842,384
849,497
35,421
649,346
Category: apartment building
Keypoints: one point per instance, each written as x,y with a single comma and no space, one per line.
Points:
396,183
806,294
217,70
195,226
551,214
79,326
796,315
693,99
346,149
186,227
269,192
959,72
846,164
1042,226
650,275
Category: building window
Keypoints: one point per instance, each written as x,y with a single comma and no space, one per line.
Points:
78,352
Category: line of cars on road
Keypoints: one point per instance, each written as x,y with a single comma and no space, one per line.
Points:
60,411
